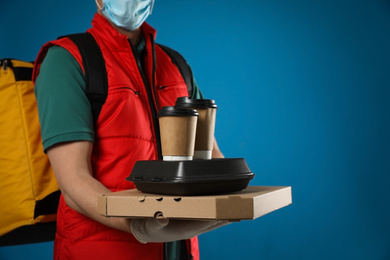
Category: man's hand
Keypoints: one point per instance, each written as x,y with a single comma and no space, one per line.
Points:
167,230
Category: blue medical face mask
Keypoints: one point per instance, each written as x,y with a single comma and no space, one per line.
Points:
127,14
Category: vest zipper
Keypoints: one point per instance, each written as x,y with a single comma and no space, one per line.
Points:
151,97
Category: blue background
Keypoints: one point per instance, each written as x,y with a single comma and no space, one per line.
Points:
303,94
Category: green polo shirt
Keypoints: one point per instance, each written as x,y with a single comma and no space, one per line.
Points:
64,109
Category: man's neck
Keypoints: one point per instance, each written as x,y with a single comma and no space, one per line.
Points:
133,36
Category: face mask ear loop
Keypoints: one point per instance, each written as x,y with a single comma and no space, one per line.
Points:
100,8
151,7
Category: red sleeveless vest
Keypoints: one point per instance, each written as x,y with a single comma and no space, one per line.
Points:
124,133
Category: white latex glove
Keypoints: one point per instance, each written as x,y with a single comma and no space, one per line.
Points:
165,230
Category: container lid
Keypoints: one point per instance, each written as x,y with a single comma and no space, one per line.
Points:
196,177
173,111
194,171
185,102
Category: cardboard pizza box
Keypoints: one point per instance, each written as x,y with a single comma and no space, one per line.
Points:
248,204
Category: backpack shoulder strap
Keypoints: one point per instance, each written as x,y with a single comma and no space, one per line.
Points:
182,65
95,70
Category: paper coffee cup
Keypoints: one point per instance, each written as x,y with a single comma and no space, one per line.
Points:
205,129
177,132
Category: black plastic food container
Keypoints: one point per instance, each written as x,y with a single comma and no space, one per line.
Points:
191,178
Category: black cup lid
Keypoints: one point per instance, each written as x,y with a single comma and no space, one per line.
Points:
173,111
185,102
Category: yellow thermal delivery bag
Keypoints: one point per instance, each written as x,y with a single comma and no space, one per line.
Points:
28,190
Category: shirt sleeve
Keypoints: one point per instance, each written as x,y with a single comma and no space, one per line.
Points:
196,92
64,110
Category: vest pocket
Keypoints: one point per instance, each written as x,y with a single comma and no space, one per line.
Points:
124,114
124,89
169,92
